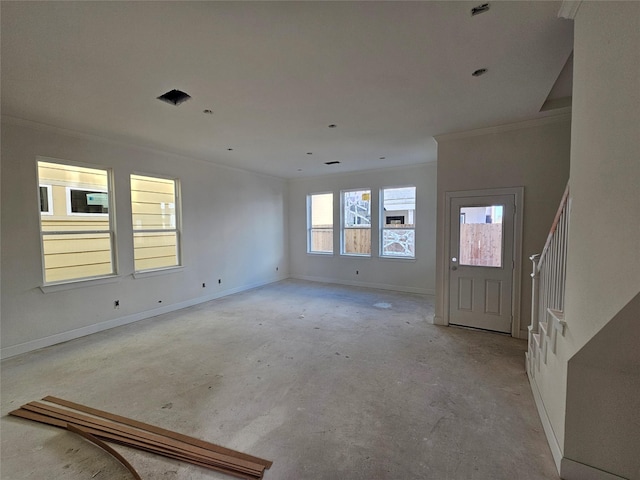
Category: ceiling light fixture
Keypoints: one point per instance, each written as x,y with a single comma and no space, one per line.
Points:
480,71
479,9
208,111
230,149
174,97
309,153
383,158
333,125
334,162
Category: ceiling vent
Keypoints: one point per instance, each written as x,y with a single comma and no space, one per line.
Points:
334,162
174,97
479,9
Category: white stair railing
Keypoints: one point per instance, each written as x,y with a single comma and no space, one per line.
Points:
548,281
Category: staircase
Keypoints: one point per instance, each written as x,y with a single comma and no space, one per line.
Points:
547,299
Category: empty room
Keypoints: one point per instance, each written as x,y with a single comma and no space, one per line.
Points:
320,240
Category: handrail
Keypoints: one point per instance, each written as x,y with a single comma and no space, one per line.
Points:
547,288
554,225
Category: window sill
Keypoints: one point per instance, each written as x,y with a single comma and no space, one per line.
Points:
356,255
70,285
401,259
321,254
160,271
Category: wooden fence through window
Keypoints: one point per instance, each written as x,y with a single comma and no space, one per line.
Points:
356,240
481,244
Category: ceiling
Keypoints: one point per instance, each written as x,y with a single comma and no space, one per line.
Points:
389,75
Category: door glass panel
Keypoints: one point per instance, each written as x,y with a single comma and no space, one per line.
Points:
481,236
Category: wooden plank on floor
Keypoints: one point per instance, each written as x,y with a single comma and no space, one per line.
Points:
114,453
183,448
134,443
158,430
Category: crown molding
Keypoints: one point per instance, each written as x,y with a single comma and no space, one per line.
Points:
563,116
45,127
569,8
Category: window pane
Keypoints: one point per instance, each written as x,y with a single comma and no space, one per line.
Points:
356,234
155,250
154,217
73,256
398,242
153,203
321,223
322,210
398,222
77,234
481,236
44,200
357,241
399,207
88,201
73,175
357,208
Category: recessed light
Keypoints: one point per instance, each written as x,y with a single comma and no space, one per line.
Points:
230,149
333,125
480,71
383,158
479,9
208,111
334,162
174,97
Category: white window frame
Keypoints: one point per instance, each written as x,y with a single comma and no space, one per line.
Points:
310,226
49,189
342,222
51,286
383,225
178,227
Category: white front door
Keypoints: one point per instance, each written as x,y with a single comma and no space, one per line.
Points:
481,261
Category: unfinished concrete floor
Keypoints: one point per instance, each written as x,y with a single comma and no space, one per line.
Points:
329,382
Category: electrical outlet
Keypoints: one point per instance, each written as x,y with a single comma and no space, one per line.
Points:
357,272
276,269
204,285
116,304
219,280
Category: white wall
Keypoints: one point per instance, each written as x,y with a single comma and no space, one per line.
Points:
603,268
603,408
603,265
416,276
234,229
532,154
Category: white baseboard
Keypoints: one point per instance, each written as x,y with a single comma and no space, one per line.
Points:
571,470
381,286
13,350
556,451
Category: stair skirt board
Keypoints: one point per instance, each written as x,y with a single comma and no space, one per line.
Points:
546,425
567,469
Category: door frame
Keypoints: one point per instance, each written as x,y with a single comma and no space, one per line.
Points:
518,196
